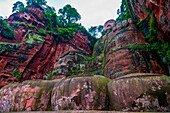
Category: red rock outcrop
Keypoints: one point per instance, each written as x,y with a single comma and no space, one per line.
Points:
35,55
159,7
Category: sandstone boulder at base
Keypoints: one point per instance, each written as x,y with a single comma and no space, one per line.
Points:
80,93
140,92
27,96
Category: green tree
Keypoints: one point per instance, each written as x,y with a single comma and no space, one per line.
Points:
5,30
69,13
100,29
49,9
93,31
36,2
62,20
123,12
96,30
52,21
17,6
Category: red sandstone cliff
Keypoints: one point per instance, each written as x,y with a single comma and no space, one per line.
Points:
35,55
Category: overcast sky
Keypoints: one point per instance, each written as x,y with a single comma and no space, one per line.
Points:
93,12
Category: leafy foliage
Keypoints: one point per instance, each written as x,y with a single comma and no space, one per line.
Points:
123,12
64,32
161,47
5,30
64,25
7,47
36,2
93,30
41,31
153,32
49,9
163,50
69,13
17,6
51,74
29,25
96,30
52,21
16,74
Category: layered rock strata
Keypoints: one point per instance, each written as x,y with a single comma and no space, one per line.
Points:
123,56
31,54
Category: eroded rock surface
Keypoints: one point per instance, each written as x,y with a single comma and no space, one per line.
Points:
80,93
122,56
69,61
160,9
140,92
27,96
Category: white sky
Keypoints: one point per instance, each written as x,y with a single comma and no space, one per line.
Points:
93,12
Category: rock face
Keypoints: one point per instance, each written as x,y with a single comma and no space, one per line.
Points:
140,92
121,58
32,54
137,73
93,65
80,93
27,96
160,9
6,79
68,62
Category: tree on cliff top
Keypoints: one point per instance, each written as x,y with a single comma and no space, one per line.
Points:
96,30
36,2
123,12
17,6
69,13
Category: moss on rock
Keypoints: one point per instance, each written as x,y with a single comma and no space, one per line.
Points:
140,92
87,92
32,95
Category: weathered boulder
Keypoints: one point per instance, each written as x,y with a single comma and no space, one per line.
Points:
27,96
80,93
7,97
140,92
